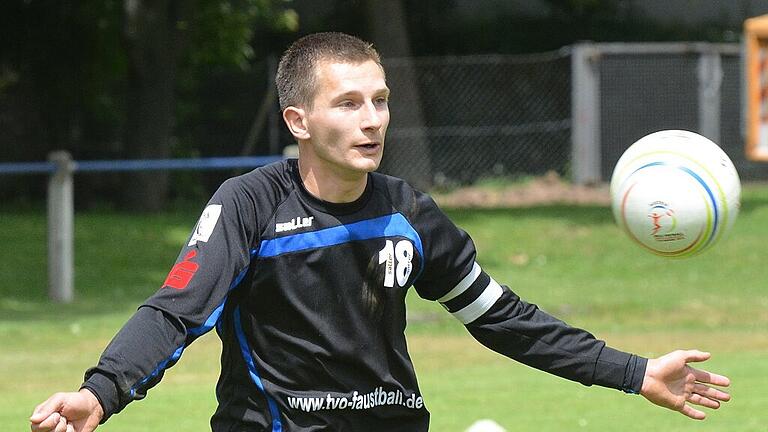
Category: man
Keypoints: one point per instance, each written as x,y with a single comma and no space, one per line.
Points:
303,266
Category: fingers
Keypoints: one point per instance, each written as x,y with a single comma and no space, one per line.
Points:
62,425
702,375
711,393
46,423
704,396
703,401
694,356
53,423
710,378
692,412
54,404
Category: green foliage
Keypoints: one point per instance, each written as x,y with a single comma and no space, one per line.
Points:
222,31
65,68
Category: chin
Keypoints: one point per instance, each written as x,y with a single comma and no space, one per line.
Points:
367,164
373,166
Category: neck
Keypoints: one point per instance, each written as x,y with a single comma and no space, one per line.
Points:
332,188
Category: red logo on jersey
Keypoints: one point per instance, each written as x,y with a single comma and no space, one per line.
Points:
182,273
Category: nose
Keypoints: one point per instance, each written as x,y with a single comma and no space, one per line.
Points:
371,117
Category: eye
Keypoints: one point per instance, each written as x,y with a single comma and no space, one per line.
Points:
347,104
381,100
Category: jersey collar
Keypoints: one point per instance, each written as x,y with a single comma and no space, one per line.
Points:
326,206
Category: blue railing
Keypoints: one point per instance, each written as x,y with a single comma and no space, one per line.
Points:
60,169
141,164
27,168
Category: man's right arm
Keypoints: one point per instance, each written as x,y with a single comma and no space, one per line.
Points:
150,342
212,262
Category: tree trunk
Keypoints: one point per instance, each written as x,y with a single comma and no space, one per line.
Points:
150,33
406,155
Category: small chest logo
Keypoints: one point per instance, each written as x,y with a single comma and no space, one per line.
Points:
295,223
205,224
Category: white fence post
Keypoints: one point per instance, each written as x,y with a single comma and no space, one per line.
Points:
61,229
585,114
710,74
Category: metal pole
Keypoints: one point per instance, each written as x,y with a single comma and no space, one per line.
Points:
585,114
61,229
710,71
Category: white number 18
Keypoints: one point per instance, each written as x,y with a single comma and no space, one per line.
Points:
403,253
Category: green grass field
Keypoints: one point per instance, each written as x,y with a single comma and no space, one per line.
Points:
571,261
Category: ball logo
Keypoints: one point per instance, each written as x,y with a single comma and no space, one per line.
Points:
663,222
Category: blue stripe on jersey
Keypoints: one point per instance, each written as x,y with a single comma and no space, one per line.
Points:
209,323
384,226
254,373
160,367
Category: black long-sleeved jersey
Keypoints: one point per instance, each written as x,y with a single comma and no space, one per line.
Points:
308,299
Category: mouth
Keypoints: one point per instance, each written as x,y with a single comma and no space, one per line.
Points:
368,147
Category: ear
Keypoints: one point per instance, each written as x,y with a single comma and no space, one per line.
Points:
296,120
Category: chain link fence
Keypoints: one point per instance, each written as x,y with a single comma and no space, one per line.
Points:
484,116
648,88
463,119
459,120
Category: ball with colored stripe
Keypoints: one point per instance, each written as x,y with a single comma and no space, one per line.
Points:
675,193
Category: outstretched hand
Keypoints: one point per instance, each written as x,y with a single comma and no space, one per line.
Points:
669,382
67,412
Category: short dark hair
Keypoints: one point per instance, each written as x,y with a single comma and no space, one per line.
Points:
296,74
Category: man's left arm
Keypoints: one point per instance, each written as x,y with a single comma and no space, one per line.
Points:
503,322
522,331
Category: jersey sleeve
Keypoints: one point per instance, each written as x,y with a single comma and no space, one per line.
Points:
211,263
503,322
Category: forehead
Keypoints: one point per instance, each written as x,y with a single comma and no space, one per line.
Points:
339,77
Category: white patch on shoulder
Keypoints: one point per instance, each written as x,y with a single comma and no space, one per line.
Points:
206,224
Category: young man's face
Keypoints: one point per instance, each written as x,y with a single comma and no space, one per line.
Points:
349,118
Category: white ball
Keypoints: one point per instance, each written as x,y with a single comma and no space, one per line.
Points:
485,425
675,193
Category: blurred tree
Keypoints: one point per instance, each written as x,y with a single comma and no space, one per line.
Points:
163,35
58,63
153,41
99,77
409,157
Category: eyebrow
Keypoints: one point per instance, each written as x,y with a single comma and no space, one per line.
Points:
384,90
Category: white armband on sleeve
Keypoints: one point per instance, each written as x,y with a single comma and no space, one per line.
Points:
473,296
